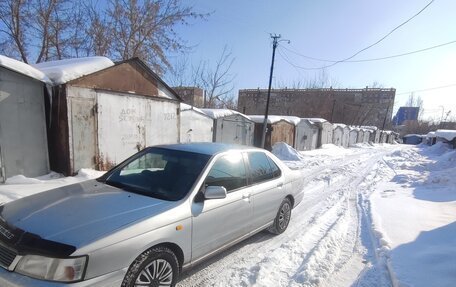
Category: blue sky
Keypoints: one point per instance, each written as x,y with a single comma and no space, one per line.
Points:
334,29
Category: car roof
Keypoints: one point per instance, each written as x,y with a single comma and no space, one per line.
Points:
206,148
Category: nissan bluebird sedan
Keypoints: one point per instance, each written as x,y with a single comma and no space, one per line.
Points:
162,210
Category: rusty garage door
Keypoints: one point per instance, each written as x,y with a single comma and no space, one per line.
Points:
128,123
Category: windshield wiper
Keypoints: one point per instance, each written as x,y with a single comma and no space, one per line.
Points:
133,189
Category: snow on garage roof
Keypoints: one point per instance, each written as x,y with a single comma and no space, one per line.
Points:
220,113
449,135
272,119
372,128
294,120
24,69
63,71
340,126
316,120
186,107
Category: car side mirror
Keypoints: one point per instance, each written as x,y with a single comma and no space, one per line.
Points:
215,192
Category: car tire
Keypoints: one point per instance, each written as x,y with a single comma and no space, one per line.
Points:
157,266
282,218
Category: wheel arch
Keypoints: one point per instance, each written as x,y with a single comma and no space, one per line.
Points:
292,200
176,249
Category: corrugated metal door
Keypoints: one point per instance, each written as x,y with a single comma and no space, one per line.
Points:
195,127
129,123
83,133
234,131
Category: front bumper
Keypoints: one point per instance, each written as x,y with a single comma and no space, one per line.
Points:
13,279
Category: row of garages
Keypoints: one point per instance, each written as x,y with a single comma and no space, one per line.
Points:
229,126
93,113
431,138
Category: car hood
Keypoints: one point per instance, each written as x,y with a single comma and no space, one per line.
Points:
80,213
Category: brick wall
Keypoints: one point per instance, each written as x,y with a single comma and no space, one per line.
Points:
349,106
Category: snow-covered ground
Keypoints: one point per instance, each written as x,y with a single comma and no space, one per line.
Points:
374,215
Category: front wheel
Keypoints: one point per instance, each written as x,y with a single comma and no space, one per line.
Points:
156,267
282,218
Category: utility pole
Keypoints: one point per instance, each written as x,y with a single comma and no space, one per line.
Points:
265,122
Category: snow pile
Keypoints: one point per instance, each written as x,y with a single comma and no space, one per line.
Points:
20,179
19,186
24,69
363,145
286,152
63,71
436,149
414,215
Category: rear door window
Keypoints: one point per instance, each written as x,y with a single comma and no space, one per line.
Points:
276,172
260,168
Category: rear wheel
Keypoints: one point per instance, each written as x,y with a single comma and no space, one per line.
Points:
282,218
156,267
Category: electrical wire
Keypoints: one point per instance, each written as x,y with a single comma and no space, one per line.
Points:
286,59
370,46
428,89
374,59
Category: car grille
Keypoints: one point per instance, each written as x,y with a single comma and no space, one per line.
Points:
6,256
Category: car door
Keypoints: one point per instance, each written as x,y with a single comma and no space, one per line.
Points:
217,222
266,187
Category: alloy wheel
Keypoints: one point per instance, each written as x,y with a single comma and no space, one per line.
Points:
158,273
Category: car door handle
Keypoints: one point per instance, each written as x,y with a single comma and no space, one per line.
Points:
246,196
280,185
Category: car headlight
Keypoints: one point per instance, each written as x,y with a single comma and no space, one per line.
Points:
54,269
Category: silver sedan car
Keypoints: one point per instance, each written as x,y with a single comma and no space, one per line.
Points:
159,212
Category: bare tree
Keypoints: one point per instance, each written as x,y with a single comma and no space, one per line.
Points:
44,29
217,81
98,30
415,101
144,29
13,17
177,74
55,29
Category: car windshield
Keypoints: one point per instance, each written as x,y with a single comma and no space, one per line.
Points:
160,173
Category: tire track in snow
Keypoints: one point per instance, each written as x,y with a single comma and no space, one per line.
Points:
378,270
337,246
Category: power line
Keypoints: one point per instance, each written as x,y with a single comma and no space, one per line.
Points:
377,42
428,89
285,57
374,59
